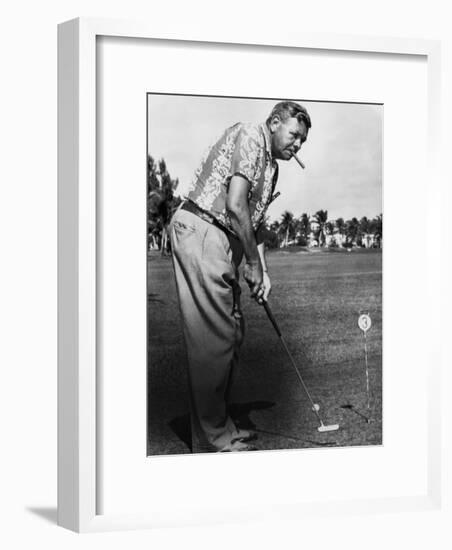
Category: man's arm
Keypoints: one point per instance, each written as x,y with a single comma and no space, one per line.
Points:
266,283
239,214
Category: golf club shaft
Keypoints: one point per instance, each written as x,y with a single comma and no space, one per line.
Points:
269,313
314,409
278,332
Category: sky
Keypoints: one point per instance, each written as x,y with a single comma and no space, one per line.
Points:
343,152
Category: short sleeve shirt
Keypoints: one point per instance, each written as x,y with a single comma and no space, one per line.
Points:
245,150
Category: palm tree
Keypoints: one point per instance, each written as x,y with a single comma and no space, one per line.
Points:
268,233
154,232
329,230
275,228
378,229
340,225
352,230
161,201
166,191
153,180
287,226
364,228
302,228
321,218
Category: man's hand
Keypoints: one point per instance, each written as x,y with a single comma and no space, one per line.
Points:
267,286
253,275
266,289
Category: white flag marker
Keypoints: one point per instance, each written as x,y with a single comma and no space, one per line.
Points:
364,323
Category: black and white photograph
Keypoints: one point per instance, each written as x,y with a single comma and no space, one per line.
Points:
264,274
209,339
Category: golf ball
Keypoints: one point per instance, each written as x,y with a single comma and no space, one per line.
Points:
316,407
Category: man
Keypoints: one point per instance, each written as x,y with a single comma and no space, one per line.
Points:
216,226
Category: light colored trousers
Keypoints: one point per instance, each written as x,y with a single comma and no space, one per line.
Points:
206,264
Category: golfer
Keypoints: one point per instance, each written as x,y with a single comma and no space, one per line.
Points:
219,224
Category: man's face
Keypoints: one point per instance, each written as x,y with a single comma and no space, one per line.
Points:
287,137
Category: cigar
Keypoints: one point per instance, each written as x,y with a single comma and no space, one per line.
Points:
299,161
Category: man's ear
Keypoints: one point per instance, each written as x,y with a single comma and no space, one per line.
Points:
275,122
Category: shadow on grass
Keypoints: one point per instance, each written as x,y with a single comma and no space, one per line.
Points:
351,407
182,428
240,413
295,438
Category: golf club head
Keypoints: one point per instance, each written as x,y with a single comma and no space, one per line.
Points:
330,428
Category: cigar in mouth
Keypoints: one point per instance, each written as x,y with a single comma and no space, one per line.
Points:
299,161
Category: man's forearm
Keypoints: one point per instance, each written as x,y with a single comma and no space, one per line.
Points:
261,252
261,247
239,215
266,283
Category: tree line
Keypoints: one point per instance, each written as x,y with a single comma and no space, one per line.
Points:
304,230
319,231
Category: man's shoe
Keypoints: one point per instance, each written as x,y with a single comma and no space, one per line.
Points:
243,436
237,447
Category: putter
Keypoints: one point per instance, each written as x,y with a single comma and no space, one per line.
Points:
315,406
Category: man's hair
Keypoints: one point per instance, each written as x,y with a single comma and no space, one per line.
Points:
290,109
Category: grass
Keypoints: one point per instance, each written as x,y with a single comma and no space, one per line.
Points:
316,299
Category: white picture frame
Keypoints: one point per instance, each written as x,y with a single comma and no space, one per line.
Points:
78,467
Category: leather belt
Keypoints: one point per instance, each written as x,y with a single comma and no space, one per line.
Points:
192,207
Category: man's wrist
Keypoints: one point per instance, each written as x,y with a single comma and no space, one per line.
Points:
253,262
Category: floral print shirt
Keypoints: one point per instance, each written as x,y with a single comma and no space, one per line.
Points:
243,149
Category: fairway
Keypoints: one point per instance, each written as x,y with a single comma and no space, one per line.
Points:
316,298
